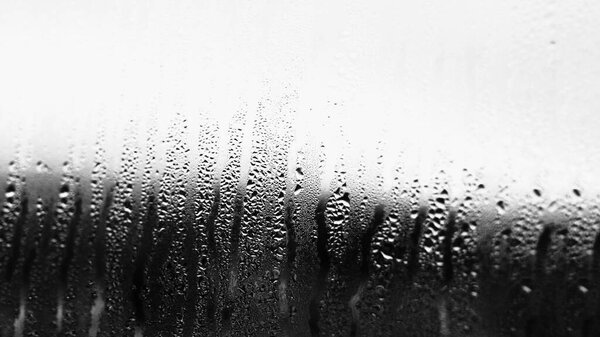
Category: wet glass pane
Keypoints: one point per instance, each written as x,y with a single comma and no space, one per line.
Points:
280,168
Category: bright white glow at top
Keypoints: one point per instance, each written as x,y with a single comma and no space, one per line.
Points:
508,86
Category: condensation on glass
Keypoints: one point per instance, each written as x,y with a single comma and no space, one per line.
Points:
296,169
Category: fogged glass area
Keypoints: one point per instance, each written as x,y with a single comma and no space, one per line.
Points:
265,168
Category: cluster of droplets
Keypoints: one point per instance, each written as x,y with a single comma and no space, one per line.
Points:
207,194
167,289
122,225
260,243
13,207
256,229
337,214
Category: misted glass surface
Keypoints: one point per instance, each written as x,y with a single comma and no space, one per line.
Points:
279,168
